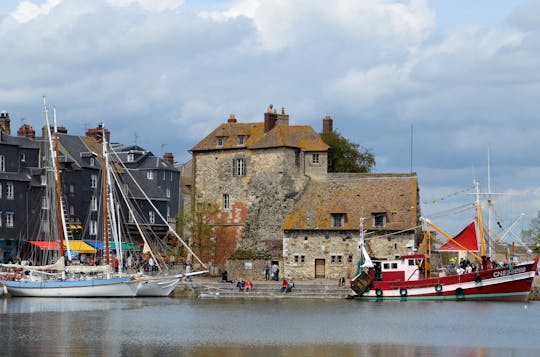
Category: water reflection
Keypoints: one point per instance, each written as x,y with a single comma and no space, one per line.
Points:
163,327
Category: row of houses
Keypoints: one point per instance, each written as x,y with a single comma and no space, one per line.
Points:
254,193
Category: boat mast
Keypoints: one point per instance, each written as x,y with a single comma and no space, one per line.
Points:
105,198
54,162
480,220
362,245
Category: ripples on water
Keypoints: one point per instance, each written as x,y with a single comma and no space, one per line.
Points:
286,327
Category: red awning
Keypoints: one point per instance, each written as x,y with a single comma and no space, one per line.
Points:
466,239
45,245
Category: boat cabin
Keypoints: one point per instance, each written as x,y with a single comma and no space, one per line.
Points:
403,268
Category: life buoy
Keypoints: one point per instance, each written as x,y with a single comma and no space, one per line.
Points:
460,292
438,288
403,292
477,279
379,292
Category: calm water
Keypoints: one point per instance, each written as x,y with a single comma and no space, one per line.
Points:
174,327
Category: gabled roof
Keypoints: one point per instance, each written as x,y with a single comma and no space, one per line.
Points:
356,195
254,132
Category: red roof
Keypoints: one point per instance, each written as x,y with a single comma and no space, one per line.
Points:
465,240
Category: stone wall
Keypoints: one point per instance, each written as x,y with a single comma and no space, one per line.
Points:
338,249
248,269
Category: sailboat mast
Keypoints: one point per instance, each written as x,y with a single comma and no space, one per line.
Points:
54,162
480,220
105,199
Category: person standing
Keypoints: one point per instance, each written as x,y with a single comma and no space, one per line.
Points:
266,272
275,272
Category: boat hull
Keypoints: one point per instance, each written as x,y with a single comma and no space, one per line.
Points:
163,286
114,287
501,284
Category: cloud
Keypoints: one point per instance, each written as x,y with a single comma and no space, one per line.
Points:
27,10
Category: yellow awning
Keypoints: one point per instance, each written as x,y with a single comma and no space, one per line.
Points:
80,247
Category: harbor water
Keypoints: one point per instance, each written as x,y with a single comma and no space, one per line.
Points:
273,327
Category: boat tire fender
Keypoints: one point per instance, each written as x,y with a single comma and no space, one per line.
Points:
477,279
379,292
460,292
403,292
438,288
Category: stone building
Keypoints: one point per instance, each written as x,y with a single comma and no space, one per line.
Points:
247,177
321,232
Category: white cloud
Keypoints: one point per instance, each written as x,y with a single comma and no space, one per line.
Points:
27,10
150,5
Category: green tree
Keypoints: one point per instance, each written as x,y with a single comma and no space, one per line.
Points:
532,235
345,156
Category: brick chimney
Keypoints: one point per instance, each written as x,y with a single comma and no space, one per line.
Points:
327,124
168,157
270,118
5,125
232,118
97,133
283,119
60,129
26,131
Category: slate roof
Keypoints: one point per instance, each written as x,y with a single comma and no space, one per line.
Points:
299,136
20,141
356,195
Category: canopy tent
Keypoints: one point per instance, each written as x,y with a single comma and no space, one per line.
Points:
464,240
71,253
75,245
112,245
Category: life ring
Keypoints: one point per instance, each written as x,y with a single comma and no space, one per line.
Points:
477,279
379,292
438,288
460,292
403,292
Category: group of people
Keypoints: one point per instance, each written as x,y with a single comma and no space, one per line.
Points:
465,266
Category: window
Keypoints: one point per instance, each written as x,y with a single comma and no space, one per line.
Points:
150,175
130,157
411,262
43,180
10,191
386,266
93,203
93,228
241,139
336,259
168,192
72,210
164,177
93,181
2,163
226,202
297,158
71,188
394,265
9,219
315,158
338,219
151,217
350,258
296,259
92,161
168,211
379,219
239,167
0,192
23,157
220,140
302,259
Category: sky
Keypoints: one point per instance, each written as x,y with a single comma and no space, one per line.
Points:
429,85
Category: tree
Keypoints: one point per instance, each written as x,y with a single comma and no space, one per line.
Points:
532,235
344,156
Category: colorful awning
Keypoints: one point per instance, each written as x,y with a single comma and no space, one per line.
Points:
112,245
80,246
45,245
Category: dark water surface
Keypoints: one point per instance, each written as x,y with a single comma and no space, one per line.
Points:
285,327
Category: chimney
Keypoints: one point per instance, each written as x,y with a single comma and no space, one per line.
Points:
26,131
270,118
283,119
5,123
232,118
327,124
97,133
168,157
60,129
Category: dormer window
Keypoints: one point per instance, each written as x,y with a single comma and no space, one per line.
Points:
92,161
150,175
338,219
130,157
242,139
379,219
221,140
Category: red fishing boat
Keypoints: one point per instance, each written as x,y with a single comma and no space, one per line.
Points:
408,277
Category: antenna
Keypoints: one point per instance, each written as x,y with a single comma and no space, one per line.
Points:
162,147
411,146
136,137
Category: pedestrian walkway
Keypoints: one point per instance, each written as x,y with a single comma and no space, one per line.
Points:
211,287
